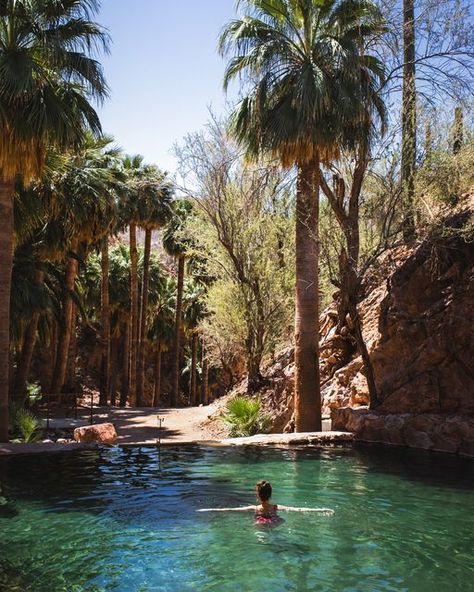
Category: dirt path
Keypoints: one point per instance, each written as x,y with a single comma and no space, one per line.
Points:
140,426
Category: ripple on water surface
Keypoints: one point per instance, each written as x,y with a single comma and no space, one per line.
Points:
125,520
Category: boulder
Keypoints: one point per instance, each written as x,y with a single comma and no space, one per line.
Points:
102,433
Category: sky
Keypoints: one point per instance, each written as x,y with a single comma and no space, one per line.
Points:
164,72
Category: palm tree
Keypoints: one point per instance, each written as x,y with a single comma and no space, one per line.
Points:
193,314
155,193
83,201
307,76
160,333
176,244
133,168
119,284
43,103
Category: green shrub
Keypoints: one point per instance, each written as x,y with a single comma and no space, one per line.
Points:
25,425
33,392
245,418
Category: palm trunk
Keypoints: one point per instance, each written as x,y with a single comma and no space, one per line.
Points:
53,348
157,388
307,388
409,120
7,188
29,342
105,325
143,317
125,364
62,356
133,315
72,354
114,365
177,331
194,348
205,378
24,365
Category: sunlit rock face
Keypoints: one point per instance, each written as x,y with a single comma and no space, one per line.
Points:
423,358
430,431
102,433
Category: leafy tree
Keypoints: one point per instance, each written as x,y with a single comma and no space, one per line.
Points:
242,232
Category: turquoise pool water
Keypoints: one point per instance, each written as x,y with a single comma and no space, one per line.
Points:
124,520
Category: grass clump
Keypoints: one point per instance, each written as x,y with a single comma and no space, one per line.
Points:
245,418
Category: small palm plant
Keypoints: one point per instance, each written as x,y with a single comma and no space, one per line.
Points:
245,418
25,425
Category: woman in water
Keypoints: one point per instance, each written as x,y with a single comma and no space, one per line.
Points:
265,511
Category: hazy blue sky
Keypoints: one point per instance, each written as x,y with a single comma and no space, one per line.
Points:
163,71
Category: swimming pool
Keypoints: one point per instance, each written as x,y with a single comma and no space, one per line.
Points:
125,520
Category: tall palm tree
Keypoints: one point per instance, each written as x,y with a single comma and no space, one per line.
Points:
45,102
307,76
176,244
155,193
134,170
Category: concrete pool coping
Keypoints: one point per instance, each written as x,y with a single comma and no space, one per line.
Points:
303,438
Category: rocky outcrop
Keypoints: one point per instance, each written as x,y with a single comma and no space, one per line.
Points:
102,433
430,431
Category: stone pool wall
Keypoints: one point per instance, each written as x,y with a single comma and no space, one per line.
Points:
429,431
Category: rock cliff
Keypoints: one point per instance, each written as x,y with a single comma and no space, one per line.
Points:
417,310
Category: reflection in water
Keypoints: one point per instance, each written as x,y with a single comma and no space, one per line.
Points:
125,520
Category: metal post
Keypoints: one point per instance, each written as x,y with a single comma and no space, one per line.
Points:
47,411
160,420
75,405
92,409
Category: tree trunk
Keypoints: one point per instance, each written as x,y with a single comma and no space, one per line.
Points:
307,388
205,377
458,132
177,332
125,364
255,379
133,315
408,120
7,188
66,328
157,386
143,318
105,324
194,351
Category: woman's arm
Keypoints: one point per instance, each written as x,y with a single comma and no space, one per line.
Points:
242,509
326,511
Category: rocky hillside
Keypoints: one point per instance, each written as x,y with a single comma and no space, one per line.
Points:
417,310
